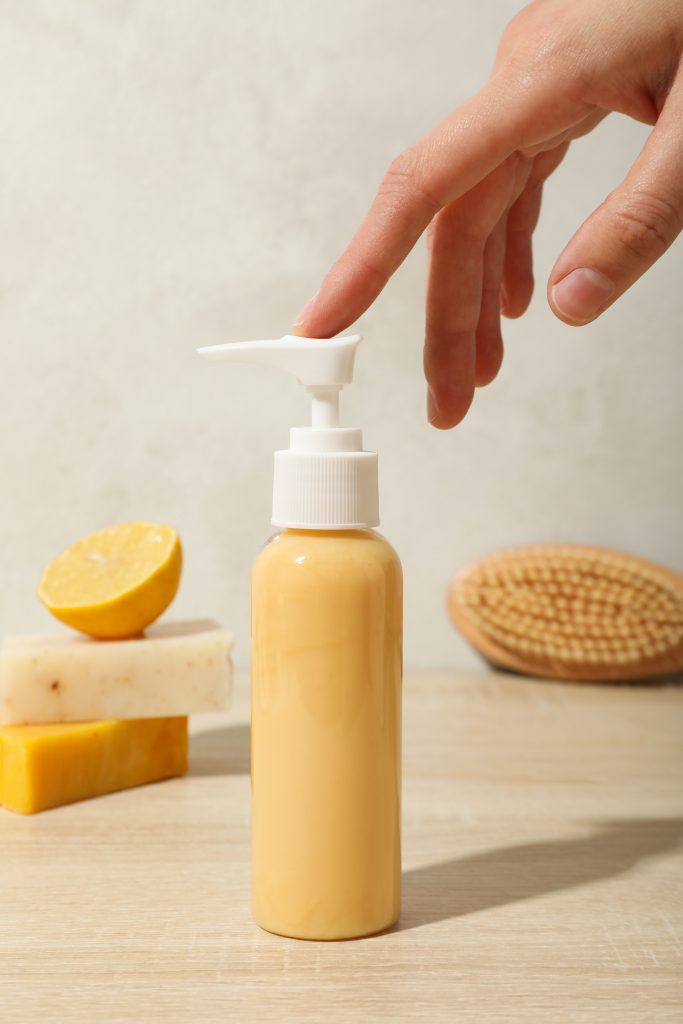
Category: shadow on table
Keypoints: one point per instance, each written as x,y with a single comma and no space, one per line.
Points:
495,878
223,751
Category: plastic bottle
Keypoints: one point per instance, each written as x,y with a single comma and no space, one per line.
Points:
326,672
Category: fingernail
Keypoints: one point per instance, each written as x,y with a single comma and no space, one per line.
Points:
306,311
582,294
432,406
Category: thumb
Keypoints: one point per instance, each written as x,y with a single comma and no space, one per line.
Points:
630,230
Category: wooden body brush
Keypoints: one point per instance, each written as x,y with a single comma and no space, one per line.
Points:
570,612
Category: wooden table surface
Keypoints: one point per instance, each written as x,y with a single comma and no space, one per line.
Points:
543,877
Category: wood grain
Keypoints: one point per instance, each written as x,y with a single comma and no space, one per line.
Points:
543,877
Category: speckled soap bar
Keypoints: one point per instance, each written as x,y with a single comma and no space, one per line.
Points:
177,668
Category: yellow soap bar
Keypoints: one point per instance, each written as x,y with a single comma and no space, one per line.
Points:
43,766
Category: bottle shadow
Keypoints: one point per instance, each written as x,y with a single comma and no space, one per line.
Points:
495,878
223,751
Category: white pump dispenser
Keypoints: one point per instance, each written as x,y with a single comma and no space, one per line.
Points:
324,480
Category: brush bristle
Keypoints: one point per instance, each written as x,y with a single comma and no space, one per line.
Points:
576,608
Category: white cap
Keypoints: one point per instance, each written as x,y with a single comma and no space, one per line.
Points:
324,480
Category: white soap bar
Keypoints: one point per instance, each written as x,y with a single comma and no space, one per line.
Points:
177,668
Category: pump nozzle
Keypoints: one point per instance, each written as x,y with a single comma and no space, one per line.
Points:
324,480
315,362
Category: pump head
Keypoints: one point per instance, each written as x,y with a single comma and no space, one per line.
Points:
324,480
323,366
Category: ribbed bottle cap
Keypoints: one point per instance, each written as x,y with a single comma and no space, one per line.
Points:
325,490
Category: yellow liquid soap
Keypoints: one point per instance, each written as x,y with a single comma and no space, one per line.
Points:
326,734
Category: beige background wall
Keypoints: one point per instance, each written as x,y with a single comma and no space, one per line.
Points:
182,173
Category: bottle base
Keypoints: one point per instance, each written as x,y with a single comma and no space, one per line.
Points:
344,935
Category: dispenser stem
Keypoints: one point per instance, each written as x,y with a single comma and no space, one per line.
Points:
324,407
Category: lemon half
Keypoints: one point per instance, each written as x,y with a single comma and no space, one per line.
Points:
114,583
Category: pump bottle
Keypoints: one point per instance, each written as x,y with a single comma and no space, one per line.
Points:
326,672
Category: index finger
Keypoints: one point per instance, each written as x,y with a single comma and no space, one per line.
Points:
453,157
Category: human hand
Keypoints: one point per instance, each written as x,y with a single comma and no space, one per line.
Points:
476,181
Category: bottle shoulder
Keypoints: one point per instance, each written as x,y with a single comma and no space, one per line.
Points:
327,548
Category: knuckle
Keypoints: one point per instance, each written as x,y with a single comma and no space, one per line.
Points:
404,181
542,45
404,165
519,23
647,224
531,37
